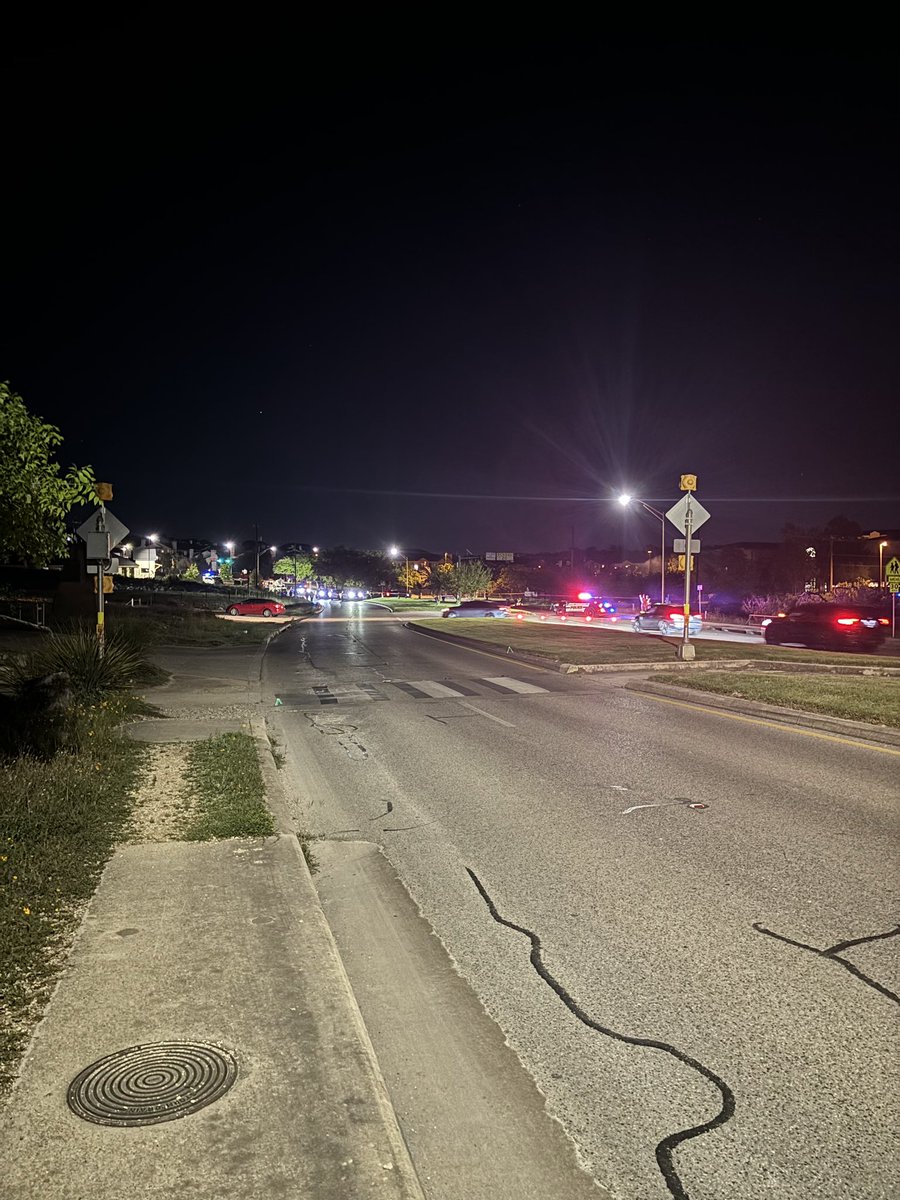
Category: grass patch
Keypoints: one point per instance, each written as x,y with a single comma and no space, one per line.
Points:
61,820
405,604
186,628
870,699
227,781
583,646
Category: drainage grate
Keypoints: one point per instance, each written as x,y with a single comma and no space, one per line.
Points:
145,1085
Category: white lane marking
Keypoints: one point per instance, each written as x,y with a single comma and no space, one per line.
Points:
514,685
431,688
635,807
490,716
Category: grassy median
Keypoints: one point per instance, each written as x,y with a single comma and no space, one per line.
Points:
228,795
874,700
583,646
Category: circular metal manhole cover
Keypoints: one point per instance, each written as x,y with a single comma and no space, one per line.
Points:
145,1085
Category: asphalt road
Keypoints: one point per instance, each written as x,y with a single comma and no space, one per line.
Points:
687,1051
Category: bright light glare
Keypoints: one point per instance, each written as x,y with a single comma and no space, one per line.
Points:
625,499
585,596
393,551
153,537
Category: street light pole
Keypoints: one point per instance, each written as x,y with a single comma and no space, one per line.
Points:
625,499
881,546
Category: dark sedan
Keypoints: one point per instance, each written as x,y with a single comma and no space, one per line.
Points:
476,608
827,627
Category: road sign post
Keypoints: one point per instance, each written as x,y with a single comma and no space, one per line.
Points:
688,515
892,578
101,532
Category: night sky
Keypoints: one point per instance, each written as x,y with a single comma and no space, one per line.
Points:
454,290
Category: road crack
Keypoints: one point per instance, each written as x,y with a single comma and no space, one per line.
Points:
666,1148
833,954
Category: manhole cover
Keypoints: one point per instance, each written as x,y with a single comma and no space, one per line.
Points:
145,1085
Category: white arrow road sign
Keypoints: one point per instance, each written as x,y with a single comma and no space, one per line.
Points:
113,526
677,514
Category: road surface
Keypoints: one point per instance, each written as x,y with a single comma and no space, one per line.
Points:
683,921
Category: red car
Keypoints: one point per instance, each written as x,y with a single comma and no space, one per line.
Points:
255,608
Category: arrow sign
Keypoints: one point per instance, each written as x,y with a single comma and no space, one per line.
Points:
96,524
677,514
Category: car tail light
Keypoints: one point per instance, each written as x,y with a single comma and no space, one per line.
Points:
883,621
848,620
673,616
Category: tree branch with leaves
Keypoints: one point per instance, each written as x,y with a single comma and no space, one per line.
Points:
35,496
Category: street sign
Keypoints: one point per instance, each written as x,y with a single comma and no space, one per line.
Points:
679,545
892,574
682,558
688,483
677,514
102,520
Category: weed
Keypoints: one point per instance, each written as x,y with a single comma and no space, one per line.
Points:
225,775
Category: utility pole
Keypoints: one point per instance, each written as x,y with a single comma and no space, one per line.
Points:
256,536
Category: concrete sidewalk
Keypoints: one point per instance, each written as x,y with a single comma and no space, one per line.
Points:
223,947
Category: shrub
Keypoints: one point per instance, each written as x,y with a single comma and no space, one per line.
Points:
90,671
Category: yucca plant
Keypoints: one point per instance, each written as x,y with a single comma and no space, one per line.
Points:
77,655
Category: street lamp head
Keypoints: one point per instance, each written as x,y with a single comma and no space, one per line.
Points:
315,549
153,537
625,499
881,545
393,551
274,549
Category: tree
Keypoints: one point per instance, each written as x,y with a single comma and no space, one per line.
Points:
413,576
440,578
470,578
299,565
226,571
35,497
512,579
191,572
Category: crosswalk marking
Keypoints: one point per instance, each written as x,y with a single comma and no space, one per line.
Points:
437,690
423,689
514,685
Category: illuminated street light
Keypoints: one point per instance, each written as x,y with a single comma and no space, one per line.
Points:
881,547
153,537
626,499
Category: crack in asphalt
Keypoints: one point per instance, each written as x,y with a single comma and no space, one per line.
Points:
666,1148
833,953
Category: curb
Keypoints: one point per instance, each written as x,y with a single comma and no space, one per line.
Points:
277,802
785,716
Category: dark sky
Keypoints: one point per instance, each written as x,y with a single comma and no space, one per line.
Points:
454,290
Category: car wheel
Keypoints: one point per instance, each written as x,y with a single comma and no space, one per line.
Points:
664,627
267,612
636,625
233,612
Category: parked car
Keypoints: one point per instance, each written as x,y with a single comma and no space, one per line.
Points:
255,608
665,618
827,627
476,608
